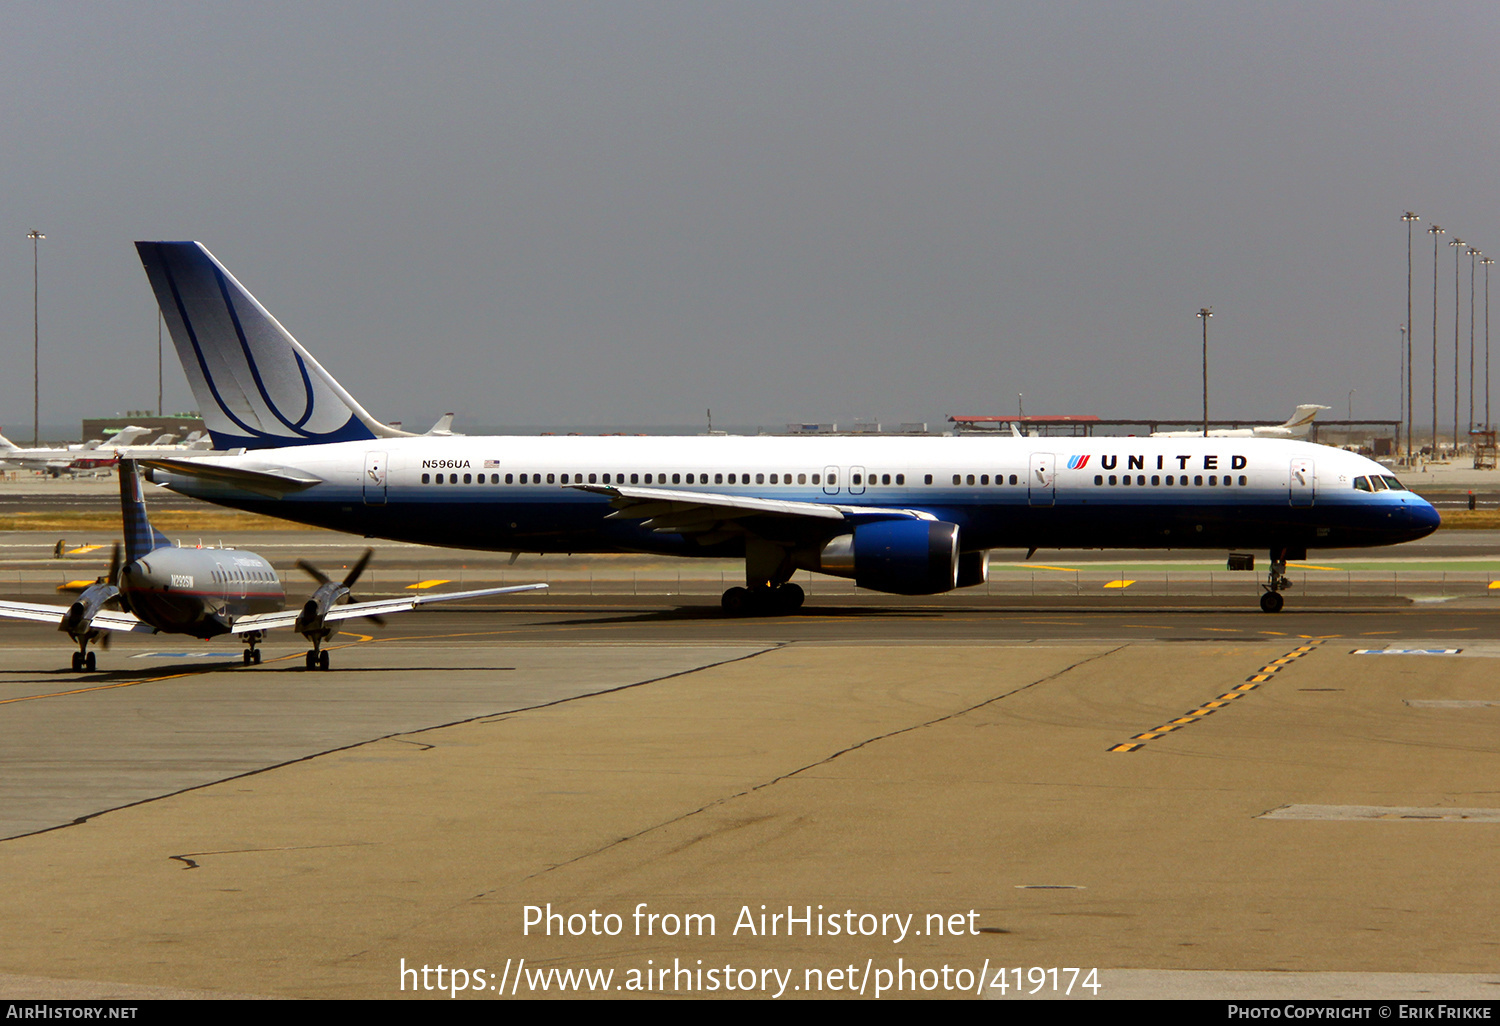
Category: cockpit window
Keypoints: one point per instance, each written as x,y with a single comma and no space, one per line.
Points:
1377,482
1393,484
1362,484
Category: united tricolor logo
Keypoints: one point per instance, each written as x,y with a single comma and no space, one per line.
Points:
1077,462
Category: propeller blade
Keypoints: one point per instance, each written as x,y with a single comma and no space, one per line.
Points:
114,566
374,618
312,571
358,568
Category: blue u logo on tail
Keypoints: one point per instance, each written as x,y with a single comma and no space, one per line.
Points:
256,385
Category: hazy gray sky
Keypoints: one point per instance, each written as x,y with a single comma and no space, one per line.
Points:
610,212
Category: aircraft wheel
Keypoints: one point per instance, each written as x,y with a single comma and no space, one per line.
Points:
789,597
311,660
89,662
322,660
1271,602
255,657
77,662
735,601
247,658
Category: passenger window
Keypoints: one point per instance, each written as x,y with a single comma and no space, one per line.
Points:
1112,479
1198,479
1125,479
1155,480
958,479
760,479
774,479
817,478
1213,479
468,479
802,479
718,479
901,479
1098,479
833,479
1242,480
551,478
927,479
984,479
1140,479
1012,479
426,478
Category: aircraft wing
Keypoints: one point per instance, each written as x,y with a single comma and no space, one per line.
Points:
379,607
104,620
666,510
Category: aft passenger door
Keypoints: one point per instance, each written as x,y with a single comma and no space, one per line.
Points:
1042,479
374,479
830,480
1302,483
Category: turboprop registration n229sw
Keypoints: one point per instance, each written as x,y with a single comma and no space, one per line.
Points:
908,516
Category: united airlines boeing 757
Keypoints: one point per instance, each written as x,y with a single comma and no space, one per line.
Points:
908,515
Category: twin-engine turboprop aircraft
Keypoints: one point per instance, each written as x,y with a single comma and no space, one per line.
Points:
206,593
908,515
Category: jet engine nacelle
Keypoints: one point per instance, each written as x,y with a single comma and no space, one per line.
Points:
900,557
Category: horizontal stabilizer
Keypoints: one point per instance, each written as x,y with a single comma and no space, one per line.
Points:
263,480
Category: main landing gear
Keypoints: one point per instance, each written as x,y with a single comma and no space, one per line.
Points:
83,662
317,659
1276,582
766,600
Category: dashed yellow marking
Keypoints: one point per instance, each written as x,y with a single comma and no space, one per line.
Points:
426,584
1043,566
74,585
1310,566
1208,708
1119,584
83,550
1494,585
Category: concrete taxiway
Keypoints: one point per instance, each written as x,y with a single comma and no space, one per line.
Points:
1204,802
1159,782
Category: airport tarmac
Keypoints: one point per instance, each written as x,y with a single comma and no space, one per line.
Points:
1158,782
1199,802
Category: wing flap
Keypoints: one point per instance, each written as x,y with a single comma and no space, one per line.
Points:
678,512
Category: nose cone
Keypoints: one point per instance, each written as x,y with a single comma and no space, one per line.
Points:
1424,517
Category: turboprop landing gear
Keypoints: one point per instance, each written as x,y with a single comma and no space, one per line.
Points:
252,653
763,601
1276,582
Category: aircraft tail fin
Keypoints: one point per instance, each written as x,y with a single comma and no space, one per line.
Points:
256,385
141,539
6,445
1303,418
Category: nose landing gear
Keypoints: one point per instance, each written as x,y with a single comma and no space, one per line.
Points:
1276,582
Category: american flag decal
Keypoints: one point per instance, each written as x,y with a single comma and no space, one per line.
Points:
491,464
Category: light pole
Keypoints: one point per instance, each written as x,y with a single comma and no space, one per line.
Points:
1403,357
1408,217
1434,231
1203,315
1457,245
36,373
1473,255
1488,424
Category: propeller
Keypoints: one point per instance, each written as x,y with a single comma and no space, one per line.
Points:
343,588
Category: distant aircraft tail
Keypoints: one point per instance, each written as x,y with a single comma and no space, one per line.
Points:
6,445
257,387
141,539
1303,418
